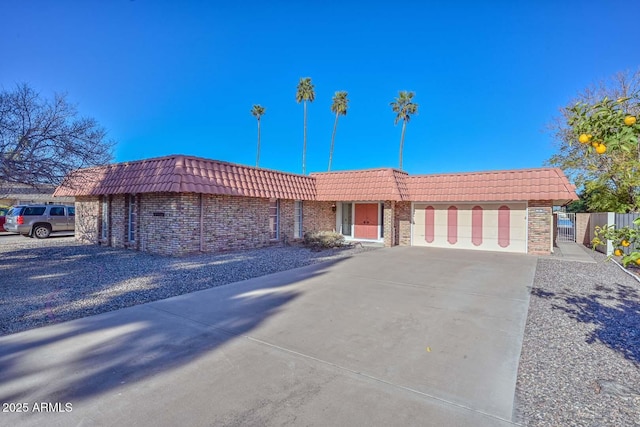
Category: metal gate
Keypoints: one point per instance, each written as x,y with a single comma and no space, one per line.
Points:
566,226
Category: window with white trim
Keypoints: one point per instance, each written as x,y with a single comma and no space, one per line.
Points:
131,224
297,219
104,225
274,218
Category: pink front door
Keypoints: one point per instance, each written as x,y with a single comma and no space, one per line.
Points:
366,221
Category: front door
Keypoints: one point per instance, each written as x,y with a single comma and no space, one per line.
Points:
366,221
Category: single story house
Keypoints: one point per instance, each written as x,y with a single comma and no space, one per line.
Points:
21,194
180,204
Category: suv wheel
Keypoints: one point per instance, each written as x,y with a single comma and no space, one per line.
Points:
41,231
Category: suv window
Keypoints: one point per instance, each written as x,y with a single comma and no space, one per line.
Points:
72,211
34,210
14,211
56,211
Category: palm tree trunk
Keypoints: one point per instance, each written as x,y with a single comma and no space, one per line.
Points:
404,126
304,146
258,152
333,138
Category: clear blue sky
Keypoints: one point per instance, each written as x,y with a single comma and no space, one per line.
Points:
180,77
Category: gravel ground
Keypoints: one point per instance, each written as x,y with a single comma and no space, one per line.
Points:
581,353
52,281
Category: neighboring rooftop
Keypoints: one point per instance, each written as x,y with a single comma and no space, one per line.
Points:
13,193
185,174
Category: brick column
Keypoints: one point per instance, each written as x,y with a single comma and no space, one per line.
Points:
403,223
540,225
389,223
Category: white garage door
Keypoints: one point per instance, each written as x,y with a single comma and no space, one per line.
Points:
490,227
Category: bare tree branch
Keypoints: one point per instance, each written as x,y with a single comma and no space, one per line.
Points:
41,140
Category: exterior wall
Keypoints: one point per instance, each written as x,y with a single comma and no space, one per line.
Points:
170,224
87,214
403,223
287,211
540,226
389,217
118,221
318,216
233,223
167,223
583,225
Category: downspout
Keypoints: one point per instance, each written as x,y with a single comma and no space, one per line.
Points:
201,223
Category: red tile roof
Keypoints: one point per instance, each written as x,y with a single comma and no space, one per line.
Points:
506,185
182,174
364,185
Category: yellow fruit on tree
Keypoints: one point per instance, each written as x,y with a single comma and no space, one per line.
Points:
630,120
617,252
601,149
625,243
595,143
638,261
584,138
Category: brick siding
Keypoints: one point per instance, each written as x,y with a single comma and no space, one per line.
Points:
318,216
583,226
169,223
389,216
540,226
403,223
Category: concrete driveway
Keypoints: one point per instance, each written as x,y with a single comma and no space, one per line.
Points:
401,336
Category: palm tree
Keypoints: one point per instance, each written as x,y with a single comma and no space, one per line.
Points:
339,106
404,108
305,93
258,111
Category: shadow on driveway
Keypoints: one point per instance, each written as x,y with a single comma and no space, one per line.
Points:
127,345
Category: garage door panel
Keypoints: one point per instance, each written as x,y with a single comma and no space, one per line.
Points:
480,233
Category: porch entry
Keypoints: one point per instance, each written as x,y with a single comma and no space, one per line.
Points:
366,221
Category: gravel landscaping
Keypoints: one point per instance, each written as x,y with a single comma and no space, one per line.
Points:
52,281
581,350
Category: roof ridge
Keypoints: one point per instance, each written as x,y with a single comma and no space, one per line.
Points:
360,171
484,172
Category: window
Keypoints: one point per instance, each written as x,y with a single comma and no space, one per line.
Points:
274,216
57,211
34,211
72,211
297,219
131,226
104,226
347,213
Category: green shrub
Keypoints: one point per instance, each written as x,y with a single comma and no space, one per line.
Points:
323,239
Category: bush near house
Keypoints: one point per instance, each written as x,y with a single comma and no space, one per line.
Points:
323,240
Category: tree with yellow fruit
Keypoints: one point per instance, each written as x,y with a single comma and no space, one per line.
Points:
626,241
599,137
